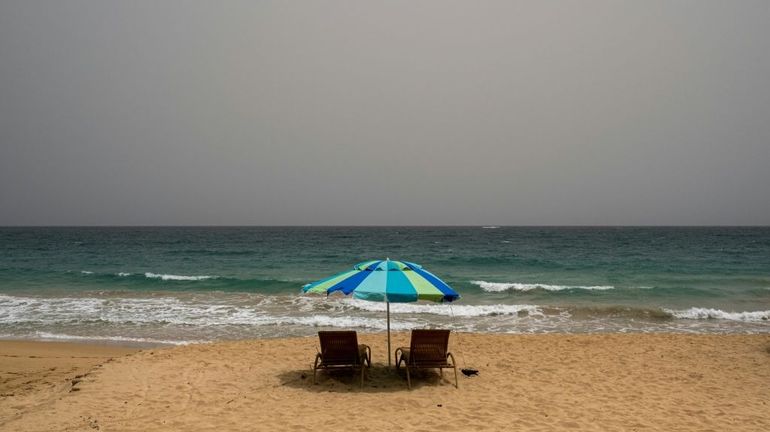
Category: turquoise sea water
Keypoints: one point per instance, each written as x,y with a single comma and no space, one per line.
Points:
178,285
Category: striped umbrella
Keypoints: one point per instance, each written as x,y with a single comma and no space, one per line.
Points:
386,281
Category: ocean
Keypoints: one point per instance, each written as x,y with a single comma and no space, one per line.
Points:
177,285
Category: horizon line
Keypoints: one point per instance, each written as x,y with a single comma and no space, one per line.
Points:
388,226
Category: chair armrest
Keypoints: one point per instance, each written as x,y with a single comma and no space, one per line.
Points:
367,352
402,357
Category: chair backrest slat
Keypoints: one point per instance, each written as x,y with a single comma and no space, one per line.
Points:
428,346
339,347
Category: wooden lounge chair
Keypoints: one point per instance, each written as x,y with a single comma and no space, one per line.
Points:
427,350
340,350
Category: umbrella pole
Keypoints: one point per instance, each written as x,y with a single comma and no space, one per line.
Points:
388,309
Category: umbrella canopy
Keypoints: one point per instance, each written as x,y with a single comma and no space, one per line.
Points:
386,281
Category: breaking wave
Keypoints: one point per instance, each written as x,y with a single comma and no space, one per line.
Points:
172,311
195,317
447,309
717,314
118,339
515,286
171,277
148,279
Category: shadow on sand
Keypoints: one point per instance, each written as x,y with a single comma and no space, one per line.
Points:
378,379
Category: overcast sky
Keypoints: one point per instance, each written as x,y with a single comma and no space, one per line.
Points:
384,112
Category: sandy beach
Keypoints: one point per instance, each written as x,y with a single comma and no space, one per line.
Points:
526,382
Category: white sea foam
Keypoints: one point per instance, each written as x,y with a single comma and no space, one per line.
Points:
706,313
199,316
124,274
447,309
340,321
86,272
60,336
171,277
490,227
515,286
171,311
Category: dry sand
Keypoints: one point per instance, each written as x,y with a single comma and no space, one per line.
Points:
539,382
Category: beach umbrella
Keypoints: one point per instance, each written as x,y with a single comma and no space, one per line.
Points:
386,281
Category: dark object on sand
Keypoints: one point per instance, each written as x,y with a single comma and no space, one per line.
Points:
469,372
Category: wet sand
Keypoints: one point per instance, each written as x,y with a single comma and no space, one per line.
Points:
527,382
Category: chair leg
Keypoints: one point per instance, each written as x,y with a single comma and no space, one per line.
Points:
368,356
362,376
454,366
408,379
315,365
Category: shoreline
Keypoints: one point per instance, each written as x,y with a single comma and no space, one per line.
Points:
113,343
178,317
528,382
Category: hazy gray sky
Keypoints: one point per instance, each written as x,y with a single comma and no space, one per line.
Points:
384,112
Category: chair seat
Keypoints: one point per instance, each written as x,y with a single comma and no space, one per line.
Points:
422,364
345,362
